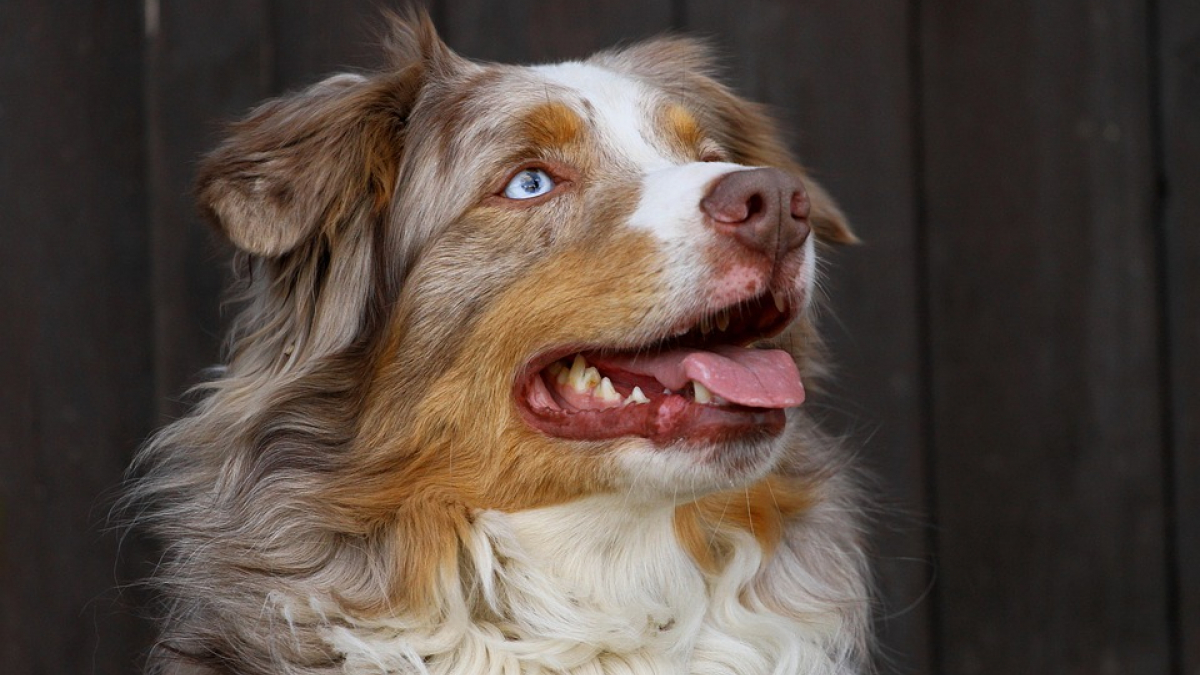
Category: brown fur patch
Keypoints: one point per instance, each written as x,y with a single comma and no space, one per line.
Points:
552,124
681,130
761,509
463,439
441,437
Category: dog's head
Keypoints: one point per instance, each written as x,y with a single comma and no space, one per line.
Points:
497,287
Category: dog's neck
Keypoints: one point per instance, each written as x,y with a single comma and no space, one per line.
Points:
602,586
616,568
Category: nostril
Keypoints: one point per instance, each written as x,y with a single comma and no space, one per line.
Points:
754,205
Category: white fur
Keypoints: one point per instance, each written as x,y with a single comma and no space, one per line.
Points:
621,108
670,203
602,586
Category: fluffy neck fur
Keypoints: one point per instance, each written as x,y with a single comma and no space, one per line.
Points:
601,586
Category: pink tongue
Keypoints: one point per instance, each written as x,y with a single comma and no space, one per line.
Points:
758,378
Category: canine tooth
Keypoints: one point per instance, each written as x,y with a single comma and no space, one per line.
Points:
723,320
703,395
605,391
577,373
780,301
705,325
636,396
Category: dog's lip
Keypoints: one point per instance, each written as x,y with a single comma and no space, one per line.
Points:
666,420
670,416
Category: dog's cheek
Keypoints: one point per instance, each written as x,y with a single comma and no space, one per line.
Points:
442,416
563,299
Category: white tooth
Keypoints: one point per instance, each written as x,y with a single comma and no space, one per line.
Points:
559,372
591,378
703,395
705,325
578,372
636,396
605,391
723,320
780,301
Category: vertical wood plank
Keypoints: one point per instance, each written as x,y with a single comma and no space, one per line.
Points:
1047,406
317,38
75,379
838,76
207,64
526,31
1179,61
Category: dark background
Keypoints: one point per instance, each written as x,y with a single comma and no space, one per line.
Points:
1017,339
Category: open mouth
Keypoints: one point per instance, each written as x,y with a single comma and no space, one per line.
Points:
703,383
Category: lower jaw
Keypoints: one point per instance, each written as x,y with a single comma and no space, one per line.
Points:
669,420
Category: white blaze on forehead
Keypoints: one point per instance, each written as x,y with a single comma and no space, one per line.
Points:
620,109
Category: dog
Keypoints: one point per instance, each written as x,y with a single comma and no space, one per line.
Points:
515,385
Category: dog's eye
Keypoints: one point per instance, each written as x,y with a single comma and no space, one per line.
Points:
528,184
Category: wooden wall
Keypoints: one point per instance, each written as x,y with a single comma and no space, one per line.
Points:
1017,339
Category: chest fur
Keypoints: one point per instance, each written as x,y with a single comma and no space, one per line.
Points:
598,587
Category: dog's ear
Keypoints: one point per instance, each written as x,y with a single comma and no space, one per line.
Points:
304,188
305,163
685,69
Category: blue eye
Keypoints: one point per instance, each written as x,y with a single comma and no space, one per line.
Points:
528,184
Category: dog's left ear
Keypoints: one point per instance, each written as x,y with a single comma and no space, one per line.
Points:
307,162
312,160
684,68
305,186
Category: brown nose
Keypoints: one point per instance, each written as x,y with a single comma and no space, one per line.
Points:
764,209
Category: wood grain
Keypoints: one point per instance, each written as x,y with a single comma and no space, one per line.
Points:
529,31
77,388
1047,407
1179,62
208,63
317,38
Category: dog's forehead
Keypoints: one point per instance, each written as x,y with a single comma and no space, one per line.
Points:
619,108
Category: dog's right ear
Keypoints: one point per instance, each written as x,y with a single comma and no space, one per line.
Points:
307,162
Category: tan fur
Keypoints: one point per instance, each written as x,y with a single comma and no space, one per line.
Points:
682,130
761,509
552,124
